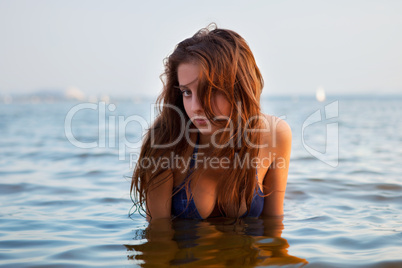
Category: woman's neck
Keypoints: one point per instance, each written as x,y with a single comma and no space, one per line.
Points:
205,139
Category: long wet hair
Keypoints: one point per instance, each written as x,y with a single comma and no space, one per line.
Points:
227,67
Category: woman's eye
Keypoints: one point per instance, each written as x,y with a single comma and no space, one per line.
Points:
186,92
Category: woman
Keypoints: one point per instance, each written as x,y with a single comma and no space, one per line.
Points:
211,152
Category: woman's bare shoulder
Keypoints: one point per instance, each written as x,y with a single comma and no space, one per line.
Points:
275,125
276,134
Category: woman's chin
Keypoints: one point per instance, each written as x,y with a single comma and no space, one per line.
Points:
205,130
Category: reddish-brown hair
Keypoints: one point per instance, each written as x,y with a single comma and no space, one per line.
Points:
227,66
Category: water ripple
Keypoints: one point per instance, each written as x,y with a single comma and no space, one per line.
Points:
63,206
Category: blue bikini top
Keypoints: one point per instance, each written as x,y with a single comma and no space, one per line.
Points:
187,210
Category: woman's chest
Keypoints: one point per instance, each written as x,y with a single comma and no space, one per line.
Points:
214,169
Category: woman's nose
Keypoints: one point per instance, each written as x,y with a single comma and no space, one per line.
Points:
196,104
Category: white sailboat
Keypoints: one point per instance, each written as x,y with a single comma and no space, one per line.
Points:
320,94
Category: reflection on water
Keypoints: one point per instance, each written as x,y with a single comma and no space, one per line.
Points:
217,242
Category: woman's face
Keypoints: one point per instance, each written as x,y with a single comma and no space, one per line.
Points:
188,74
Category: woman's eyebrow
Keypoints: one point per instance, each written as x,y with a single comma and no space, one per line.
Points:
181,87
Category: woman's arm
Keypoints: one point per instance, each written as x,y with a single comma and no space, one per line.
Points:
159,196
276,177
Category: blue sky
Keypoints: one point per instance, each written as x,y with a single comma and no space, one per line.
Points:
117,47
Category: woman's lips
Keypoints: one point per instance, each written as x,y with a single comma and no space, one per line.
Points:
201,122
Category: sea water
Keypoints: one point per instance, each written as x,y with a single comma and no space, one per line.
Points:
65,172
